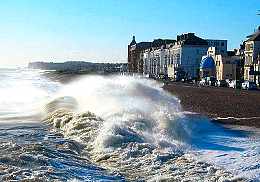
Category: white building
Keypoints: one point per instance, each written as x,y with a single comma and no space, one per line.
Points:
185,56
224,66
155,62
178,59
252,57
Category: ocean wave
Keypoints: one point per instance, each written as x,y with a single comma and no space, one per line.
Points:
132,127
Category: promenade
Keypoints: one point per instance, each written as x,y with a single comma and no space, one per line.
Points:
224,105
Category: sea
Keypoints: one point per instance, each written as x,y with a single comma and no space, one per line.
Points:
113,128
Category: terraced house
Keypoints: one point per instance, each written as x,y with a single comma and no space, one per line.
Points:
175,59
137,52
185,56
252,57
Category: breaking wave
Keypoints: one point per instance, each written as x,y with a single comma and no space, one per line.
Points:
129,125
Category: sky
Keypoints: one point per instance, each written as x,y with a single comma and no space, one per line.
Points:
100,30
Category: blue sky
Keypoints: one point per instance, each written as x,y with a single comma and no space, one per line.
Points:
99,30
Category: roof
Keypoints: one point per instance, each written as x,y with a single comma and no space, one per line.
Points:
156,43
207,63
191,39
160,42
254,37
144,45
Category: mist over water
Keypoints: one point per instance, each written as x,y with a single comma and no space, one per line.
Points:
127,125
22,90
127,103
135,120
29,149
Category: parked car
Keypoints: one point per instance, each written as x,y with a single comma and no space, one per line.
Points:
221,83
235,84
248,85
232,84
202,82
207,81
211,81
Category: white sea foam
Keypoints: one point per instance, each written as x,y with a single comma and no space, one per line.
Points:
22,91
132,126
130,106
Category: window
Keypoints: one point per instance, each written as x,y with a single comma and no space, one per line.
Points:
249,47
222,44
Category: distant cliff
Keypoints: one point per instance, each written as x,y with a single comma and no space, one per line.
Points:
79,66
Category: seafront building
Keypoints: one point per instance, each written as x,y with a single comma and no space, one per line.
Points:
220,66
226,67
220,46
155,61
252,57
191,57
135,50
136,53
185,55
175,59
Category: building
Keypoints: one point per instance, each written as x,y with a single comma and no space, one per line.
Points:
220,66
137,52
219,45
155,58
226,67
135,56
155,61
176,59
252,57
185,56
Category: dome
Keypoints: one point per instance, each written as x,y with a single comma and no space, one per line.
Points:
207,63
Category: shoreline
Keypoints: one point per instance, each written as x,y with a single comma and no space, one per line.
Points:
222,105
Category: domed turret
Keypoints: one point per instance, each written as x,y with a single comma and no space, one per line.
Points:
207,63
207,67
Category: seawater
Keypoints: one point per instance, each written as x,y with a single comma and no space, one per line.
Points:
29,149
113,128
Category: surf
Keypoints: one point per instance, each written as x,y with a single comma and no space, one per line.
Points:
130,125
